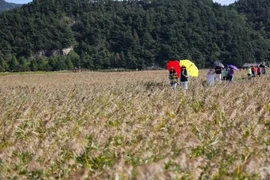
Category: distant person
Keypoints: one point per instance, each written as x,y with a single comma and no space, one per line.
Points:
230,74
263,69
211,77
218,71
184,78
173,78
259,71
224,74
249,72
254,71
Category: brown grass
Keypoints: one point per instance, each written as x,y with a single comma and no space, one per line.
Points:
131,125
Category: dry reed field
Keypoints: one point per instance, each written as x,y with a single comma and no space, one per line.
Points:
131,125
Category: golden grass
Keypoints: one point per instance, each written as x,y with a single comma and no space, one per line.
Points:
131,125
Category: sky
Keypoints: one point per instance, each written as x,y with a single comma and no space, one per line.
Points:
19,1
223,2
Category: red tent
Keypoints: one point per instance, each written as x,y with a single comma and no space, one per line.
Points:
174,64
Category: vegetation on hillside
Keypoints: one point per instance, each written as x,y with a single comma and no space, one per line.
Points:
133,34
4,6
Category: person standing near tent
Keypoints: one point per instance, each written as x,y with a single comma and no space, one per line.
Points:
184,78
263,68
230,74
249,72
259,71
254,71
173,78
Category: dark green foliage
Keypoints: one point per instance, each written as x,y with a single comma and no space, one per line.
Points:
23,64
3,65
33,66
14,65
133,34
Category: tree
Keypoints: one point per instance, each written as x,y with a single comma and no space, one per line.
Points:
69,63
75,59
33,65
14,64
3,65
43,64
60,63
87,61
23,64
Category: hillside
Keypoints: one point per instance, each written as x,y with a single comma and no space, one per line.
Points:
130,34
7,6
257,14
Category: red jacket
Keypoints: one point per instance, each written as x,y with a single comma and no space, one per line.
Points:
254,69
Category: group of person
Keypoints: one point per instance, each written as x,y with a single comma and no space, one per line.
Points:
213,76
254,71
219,73
227,74
182,80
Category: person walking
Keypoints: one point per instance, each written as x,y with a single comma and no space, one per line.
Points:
224,74
259,71
263,69
210,77
173,78
249,72
254,71
230,74
184,78
218,71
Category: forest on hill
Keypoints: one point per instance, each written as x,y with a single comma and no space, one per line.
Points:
132,34
4,6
